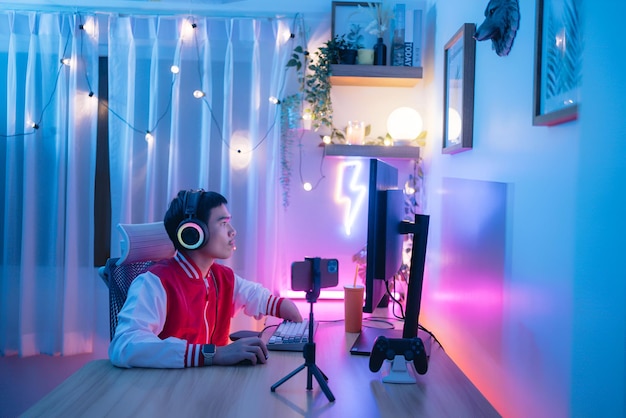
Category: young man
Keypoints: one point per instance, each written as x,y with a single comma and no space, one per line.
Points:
178,313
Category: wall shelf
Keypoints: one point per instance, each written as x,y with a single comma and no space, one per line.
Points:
375,75
372,151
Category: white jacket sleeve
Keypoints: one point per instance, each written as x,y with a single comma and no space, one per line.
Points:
136,342
256,300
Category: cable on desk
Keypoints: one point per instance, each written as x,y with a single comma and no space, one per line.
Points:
403,317
380,320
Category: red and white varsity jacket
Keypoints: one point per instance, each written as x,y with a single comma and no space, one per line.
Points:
172,310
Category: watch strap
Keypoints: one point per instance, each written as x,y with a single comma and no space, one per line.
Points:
208,352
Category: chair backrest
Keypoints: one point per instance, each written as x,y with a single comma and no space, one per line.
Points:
142,246
120,277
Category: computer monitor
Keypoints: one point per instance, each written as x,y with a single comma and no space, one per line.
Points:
384,241
384,255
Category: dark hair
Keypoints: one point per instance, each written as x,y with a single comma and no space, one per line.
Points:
175,212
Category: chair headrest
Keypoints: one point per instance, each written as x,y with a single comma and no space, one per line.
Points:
143,242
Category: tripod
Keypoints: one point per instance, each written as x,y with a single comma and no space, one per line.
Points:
309,348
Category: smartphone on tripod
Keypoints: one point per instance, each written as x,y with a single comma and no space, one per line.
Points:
302,274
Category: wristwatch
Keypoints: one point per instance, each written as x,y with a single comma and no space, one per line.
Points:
208,351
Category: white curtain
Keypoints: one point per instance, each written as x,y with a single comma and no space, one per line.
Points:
47,148
226,141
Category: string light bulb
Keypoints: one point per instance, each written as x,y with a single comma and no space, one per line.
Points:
187,30
198,94
326,139
307,186
149,137
274,100
89,27
66,61
175,69
307,121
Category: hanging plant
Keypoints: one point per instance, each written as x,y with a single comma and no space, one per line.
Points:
313,101
314,77
290,117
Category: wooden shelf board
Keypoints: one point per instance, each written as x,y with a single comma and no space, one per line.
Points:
372,151
375,75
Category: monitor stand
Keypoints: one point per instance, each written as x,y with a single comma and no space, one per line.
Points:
363,344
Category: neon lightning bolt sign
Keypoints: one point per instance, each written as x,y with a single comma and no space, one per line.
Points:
352,199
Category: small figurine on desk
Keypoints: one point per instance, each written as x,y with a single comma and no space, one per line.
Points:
178,313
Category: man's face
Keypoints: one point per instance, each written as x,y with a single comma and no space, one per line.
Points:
221,234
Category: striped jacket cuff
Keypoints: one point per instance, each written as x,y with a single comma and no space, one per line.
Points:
193,356
273,306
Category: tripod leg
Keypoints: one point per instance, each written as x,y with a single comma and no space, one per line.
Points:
289,376
321,379
309,378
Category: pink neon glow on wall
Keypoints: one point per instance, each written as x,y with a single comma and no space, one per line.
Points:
469,289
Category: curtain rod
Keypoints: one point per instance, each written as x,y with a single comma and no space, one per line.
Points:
147,7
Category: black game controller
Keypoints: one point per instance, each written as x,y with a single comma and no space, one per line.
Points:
388,348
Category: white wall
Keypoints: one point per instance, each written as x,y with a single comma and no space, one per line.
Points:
598,375
522,364
560,302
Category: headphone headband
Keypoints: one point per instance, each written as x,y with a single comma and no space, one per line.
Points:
192,198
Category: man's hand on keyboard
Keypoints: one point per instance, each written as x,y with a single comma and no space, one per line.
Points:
289,311
251,349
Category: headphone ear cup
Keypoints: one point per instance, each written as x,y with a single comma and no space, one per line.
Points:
192,234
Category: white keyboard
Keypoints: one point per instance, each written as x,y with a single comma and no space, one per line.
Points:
290,336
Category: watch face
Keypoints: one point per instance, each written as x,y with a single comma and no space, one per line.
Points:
208,349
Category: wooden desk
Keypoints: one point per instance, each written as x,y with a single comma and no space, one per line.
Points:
100,389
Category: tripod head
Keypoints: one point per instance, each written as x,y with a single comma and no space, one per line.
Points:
314,292
314,274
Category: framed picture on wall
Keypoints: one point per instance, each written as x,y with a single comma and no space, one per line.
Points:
351,19
458,90
558,54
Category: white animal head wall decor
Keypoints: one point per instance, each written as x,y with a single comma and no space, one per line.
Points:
500,25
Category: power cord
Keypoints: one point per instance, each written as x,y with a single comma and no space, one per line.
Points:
403,317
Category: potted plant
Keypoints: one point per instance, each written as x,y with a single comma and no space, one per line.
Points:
353,42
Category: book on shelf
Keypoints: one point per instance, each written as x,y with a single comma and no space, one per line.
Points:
413,34
398,35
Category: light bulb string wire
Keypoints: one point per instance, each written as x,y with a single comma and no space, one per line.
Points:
297,25
121,118
37,124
